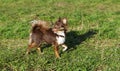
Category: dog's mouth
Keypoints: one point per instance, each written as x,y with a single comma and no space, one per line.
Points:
60,29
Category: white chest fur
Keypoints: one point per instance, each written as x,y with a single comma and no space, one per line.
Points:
61,37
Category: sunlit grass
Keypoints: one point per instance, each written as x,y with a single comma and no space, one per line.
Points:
93,35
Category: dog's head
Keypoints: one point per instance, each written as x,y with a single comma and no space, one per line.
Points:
60,24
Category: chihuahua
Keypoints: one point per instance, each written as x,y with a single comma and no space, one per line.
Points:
56,35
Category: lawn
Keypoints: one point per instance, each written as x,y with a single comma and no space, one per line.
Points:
93,35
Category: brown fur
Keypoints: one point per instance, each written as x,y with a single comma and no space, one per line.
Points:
40,32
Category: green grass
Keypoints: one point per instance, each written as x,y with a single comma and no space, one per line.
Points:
93,37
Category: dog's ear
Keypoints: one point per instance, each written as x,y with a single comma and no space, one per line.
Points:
64,20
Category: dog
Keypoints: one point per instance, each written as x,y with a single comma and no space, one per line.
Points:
40,32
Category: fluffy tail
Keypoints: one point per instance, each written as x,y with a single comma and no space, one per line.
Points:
39,25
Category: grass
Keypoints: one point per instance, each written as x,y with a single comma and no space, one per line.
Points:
93,37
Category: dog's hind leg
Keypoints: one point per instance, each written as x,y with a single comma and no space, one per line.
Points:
65,47
39,49
30,46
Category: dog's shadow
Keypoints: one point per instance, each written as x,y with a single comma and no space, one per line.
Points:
73,38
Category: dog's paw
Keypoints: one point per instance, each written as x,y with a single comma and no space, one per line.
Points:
42,53
64,49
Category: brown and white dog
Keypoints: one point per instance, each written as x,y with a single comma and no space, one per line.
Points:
40,32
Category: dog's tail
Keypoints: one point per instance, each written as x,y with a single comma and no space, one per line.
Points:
39,25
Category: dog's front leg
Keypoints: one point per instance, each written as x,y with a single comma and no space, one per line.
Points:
56,51
65,47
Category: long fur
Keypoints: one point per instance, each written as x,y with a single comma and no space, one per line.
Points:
41,32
